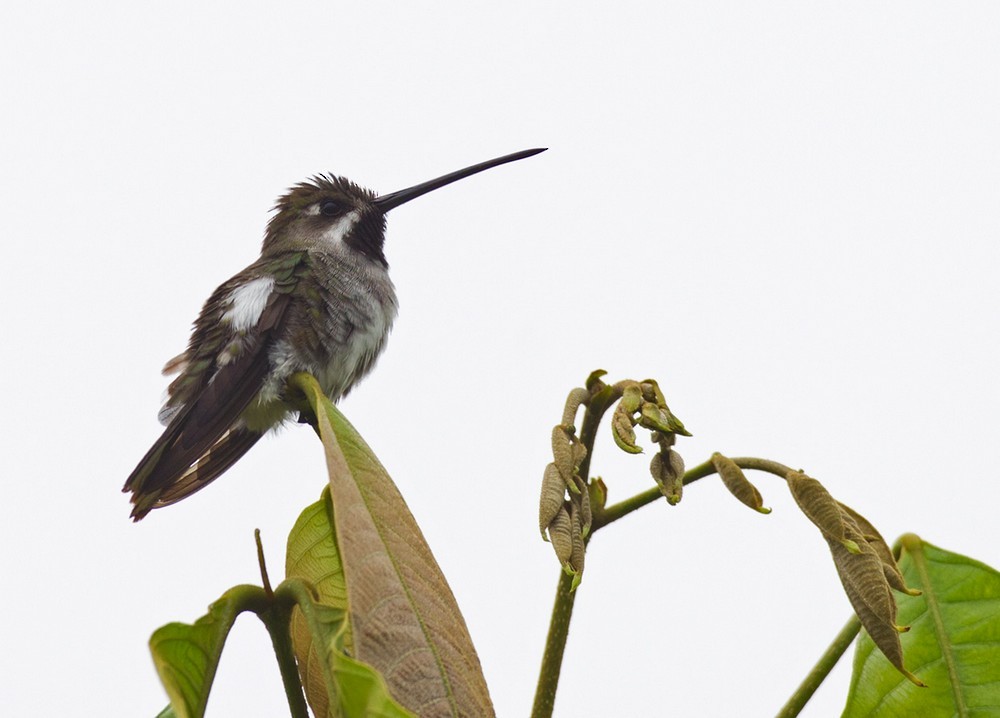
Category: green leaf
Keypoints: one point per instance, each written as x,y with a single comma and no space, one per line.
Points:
187,655
404,620
312,554
953,645
352,689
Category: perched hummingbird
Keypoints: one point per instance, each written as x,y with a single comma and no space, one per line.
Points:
318,300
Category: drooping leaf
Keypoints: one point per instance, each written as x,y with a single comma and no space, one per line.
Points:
404,620
667,469
866,587
953,644
187,655
875,540
817,503
738,484
863,572
562,453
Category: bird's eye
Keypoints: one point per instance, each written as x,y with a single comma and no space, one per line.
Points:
329,208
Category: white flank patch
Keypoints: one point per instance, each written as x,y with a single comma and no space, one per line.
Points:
247,303
340,229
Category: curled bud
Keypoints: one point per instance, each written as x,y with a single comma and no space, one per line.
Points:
598,492
621,429
586,513
561,535
594,383
562,452
578,552
651,392
737,483
631,398
668,472
551,500
659,418
576,398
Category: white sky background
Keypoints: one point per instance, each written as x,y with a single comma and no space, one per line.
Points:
786,212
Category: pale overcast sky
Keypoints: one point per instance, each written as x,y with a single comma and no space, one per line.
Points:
786,212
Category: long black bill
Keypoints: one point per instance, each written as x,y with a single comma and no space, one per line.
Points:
394,199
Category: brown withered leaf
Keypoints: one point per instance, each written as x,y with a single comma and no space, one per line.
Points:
737,483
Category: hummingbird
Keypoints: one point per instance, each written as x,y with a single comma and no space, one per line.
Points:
319,299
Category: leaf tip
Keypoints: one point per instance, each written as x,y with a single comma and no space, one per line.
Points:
577,576
850,546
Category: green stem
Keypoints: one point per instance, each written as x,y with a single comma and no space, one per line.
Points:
562,610
609,514
821,670
278,622
599,404
555,646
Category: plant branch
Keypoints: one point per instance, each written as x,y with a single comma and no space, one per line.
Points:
277,619
555,646
562,610
821,670
605,516
598,405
